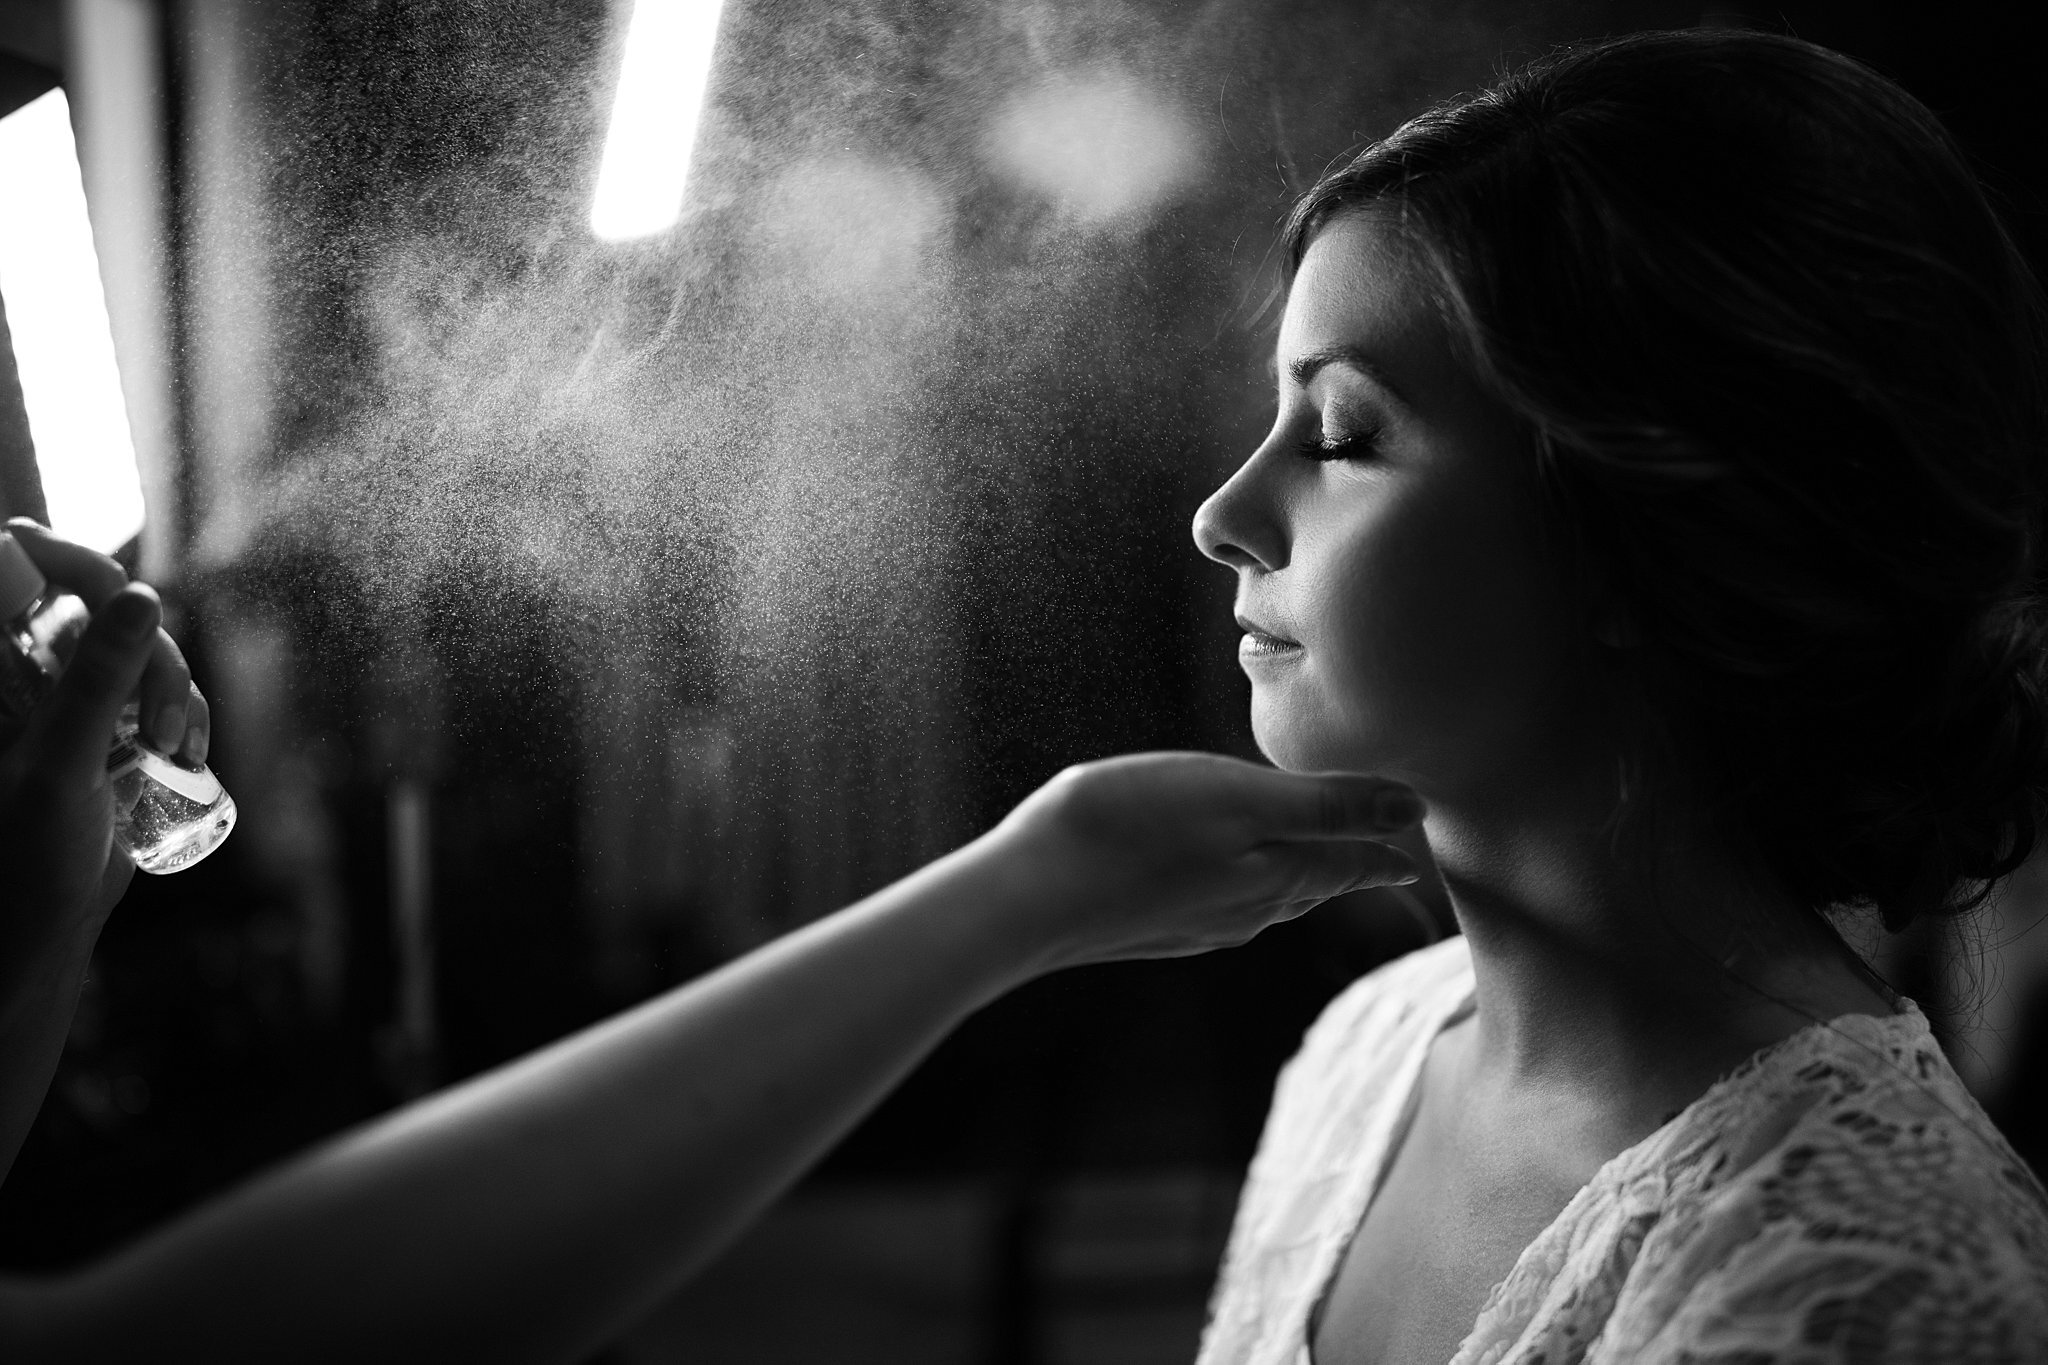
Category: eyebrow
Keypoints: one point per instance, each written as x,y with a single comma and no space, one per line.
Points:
1305,367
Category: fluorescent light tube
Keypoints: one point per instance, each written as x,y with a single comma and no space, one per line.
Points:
63,344
654,117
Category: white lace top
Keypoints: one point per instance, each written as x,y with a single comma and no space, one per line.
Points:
1839,1197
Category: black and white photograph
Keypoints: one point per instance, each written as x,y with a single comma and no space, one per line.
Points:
1023,682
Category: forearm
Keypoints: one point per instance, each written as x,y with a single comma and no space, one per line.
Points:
534,1212
529,1213
37,1001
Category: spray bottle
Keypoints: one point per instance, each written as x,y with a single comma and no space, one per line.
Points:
165,817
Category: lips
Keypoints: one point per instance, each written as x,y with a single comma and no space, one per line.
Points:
1261,642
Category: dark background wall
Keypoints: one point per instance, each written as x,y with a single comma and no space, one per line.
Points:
579,616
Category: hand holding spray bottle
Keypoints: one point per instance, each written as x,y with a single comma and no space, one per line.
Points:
165,817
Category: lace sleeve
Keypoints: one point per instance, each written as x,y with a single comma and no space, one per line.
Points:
1790,1301
1885,1226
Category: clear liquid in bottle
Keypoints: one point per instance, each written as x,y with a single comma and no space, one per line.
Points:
165,817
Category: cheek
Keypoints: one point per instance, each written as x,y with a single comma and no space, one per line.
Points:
1438,630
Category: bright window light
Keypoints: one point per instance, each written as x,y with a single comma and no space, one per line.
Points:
654,117
63,345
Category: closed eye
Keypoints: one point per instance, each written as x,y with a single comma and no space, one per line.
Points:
1356,446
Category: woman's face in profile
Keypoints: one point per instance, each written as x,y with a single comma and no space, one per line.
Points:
1401,616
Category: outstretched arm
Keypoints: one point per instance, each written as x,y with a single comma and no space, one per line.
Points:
534,1212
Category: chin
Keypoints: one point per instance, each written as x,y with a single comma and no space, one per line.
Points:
1318,739
1279,758
1295,748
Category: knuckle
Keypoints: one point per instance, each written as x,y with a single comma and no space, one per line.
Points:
1276,872
91,670
1333,811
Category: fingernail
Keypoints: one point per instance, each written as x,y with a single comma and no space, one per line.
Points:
1397,808
133,614
195,746
1409,880
169,728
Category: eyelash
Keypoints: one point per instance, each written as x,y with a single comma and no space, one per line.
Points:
1356,447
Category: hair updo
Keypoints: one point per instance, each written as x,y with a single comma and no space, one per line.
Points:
1782,369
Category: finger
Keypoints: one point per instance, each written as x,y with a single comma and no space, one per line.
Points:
74,730
198,730
1317,869
72,567
166,695
167,683
1284,805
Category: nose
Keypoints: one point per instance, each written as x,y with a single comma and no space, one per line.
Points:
1240,525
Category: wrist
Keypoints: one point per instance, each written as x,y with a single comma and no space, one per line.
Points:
50,950
979,913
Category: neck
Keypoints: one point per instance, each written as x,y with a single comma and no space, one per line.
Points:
1628,983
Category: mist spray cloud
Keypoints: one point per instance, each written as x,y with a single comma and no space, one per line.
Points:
924,370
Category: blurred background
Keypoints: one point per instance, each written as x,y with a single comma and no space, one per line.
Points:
594,584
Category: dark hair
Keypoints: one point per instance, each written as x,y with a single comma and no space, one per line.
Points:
1782,369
